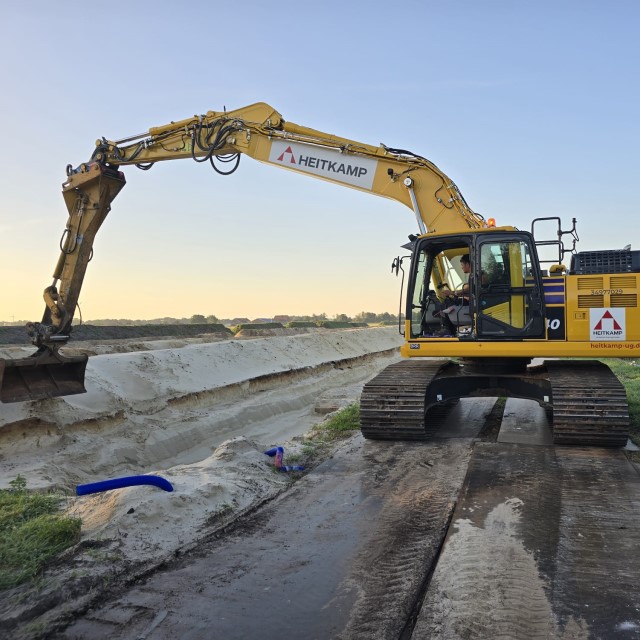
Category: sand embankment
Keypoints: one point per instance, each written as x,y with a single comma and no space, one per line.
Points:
200,415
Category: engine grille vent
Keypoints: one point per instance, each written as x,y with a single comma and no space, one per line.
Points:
587,262
587,302
590,283
623,282
624,300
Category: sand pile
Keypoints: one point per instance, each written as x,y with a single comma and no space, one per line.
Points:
144,523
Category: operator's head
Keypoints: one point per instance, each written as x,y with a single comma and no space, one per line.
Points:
465,263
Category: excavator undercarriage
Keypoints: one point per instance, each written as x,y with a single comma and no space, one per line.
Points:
585,403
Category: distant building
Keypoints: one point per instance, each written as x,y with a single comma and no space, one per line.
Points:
235,321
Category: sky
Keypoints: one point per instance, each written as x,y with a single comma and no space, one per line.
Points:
530,107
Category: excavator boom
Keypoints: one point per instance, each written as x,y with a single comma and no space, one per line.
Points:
262,133
221,138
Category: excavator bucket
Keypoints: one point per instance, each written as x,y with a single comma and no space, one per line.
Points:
41,376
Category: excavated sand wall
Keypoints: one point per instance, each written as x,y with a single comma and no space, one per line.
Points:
156,408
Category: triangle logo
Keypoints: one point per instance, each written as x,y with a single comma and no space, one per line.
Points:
288,152
607,324
607,316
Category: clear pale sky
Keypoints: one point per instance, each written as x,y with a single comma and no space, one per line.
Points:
531,107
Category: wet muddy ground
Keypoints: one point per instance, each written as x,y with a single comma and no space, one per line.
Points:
452,538
487,530
341,554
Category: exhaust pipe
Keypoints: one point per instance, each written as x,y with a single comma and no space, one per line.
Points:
43,375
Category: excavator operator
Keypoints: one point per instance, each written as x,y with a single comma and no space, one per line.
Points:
455,311
465,264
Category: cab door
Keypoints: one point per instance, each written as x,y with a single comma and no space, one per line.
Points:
508,287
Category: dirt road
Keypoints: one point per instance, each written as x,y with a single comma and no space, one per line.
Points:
540,544
344,553
543,544
460,537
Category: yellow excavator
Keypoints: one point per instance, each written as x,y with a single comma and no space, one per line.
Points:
482,316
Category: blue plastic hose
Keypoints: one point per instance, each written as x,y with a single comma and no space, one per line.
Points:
118,483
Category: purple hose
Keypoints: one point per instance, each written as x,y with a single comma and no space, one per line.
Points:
278,453
118,483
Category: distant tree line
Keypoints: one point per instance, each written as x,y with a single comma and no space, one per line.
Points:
368,317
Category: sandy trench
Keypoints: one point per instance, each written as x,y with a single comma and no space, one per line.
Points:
199,414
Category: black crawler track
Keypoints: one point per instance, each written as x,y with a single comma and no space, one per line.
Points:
392,405
589,404
586,403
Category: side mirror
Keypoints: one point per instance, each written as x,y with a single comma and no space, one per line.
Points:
395,265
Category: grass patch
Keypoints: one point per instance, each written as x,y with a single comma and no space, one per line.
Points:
319,441
628,372
32,532
340,425
334,324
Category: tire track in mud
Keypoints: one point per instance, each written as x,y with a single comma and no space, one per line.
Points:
487,575
597,556
491,581
343,554
539,548
390,571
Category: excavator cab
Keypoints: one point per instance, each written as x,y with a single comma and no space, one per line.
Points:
499,297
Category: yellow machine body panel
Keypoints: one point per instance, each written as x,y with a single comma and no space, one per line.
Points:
603,307
456,348
588,316
504,313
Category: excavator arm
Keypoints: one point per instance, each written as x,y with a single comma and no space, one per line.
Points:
260,132
220,138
